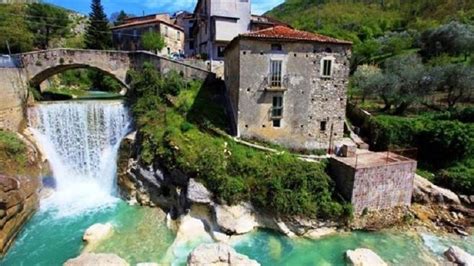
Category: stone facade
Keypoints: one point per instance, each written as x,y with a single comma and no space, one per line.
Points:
13,91
375,181
186,20
128,36
313,106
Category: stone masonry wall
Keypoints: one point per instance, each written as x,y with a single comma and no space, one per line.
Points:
13,93
383,187
308,99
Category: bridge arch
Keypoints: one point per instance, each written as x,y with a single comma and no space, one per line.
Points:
41,65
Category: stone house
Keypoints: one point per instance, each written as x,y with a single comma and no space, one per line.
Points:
288,87
186,20
128,35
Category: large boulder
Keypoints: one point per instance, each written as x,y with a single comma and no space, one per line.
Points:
424,191
238,219
218,254
364,257
96,259
457,255
97,233
198,193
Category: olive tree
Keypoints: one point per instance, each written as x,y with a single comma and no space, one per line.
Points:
456,80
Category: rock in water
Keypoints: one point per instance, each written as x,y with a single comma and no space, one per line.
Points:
218,254
457,255
96,233
364,257
239,219
99,259
198,193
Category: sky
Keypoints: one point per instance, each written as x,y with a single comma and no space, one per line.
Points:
137,7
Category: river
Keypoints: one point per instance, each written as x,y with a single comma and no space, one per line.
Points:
81,139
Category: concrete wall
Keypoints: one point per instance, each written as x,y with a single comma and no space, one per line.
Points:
308,98
13,91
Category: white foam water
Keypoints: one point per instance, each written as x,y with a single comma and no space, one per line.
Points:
81,141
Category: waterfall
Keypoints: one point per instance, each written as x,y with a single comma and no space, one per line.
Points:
81,141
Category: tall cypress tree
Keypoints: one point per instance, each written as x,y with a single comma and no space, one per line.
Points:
98,35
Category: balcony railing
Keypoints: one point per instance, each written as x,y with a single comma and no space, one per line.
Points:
274,84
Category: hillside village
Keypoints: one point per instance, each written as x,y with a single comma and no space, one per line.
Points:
245,121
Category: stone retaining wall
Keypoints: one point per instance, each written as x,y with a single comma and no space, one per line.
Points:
13,93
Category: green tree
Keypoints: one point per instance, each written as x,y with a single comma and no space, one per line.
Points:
119,18
46,22
457,80
153,41
98,35
14,30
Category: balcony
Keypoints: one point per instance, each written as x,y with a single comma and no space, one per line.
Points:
276,84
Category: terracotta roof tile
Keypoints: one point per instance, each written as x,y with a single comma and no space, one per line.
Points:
286,33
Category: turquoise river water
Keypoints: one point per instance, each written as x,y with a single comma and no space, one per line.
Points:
81,141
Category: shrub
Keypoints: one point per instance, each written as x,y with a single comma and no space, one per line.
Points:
13,154
460,177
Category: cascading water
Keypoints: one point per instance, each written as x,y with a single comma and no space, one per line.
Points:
80,140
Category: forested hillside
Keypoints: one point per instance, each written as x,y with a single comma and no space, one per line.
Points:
358,20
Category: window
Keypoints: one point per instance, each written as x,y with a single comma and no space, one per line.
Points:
166,31
275,72
277,123
326,70
277,47
277,110
277,107
150,29
179,35
135,34
220,51
169,50
191,45
322,126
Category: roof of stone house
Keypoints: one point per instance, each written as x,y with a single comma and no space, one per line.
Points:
146,22
280,32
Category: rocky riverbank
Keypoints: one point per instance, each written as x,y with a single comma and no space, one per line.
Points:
434,208
20,171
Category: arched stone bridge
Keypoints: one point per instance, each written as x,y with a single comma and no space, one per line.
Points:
41,65
31,69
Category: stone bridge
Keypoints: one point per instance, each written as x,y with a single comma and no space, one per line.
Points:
31,69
